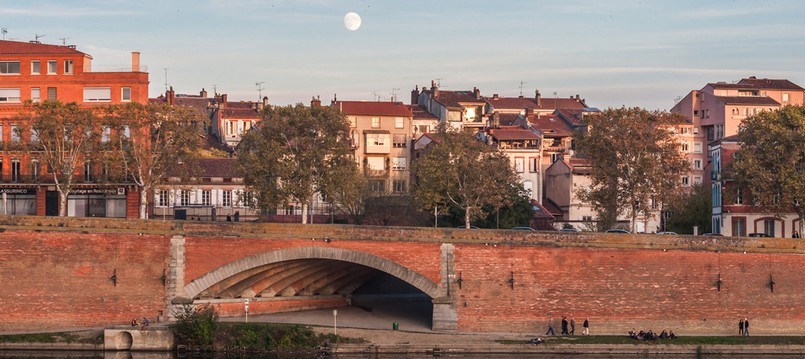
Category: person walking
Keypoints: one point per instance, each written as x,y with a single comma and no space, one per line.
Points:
564,325
550,328
572,326
746,327
741,327
586,326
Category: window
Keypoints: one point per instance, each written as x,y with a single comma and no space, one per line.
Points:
97,94
376,163
695,130
9,95
52,67
739,196
87,172
685,147
1,169
125,94
248,199
15,170
398,122
399,163
697,179
205,197
738,227
184,198
518,164
532,164
226,198
163,198
377,186
51,93
35,170
68,66
35,94
10,67
685,181
697,164
106,134
555,157
768,227
35,67
375,122
1,134
15,133
126,132
697,147
399,141
353,122
400,186
785,97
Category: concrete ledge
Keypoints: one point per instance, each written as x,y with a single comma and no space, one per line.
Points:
151,339
565,349
50,346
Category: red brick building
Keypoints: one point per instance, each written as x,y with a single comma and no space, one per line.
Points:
37,72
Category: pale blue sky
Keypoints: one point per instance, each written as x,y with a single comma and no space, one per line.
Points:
613,53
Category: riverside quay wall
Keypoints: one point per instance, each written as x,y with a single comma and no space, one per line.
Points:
65,273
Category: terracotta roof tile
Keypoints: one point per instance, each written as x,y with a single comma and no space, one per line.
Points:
776,84
513,103
507,119
561,103
551,125
420,113
238,113
376,108
540,211
457,98
219,167
29,48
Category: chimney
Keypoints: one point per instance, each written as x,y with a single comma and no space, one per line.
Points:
265,101
434,89
315,102
135,61
477,93
528,112
415,95
495,120
335,99
223,98
171,95
203,93
495,96
538,98
578,99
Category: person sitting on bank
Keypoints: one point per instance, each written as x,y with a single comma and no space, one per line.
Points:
134,322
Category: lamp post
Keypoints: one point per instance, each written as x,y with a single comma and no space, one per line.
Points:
335,323
246,308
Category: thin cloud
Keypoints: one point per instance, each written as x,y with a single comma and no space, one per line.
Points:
64,12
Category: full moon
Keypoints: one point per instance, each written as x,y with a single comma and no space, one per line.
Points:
352,21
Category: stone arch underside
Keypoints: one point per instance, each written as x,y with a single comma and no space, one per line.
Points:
302,271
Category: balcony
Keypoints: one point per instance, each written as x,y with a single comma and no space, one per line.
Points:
375,173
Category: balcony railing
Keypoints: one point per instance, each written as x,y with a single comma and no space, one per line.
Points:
376,173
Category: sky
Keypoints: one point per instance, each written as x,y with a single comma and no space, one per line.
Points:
612,53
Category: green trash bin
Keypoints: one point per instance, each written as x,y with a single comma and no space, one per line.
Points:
395,326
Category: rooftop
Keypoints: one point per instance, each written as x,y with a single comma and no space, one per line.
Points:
376,108
36,48
749,100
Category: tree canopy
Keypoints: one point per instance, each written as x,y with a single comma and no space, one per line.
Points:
151,143
65,135
458,170
295,153
771,160
636,161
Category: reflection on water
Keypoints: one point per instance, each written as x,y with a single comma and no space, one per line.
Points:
28,354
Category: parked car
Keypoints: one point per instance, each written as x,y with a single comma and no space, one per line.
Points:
522,229
713,235
666,233
759,235
617,230
569,229
471,227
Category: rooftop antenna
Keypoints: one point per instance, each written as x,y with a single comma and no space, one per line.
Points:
376,97
555,95
63,40
215,89
259,90
166,78
438,82
4,31
521,87
37,37
394,94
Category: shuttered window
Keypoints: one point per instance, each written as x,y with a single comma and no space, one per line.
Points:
9,95
97,94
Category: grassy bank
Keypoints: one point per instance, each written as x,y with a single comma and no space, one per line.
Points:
87,337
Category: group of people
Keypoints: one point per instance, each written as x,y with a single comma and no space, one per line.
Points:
650,335
568,326
743,327
142,324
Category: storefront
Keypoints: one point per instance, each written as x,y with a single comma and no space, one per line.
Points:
18,201
97,202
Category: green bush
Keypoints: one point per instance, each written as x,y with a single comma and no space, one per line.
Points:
195,325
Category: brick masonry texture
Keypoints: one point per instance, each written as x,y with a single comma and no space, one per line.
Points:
56,274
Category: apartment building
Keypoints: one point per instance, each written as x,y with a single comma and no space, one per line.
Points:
230,120
718,108
459,109
523,147
733,212
33,71
381,134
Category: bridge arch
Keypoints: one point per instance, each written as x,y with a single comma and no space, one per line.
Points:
253,263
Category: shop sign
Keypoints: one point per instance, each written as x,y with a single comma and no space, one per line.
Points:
18,190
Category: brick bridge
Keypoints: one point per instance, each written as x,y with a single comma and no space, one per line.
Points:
65,273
